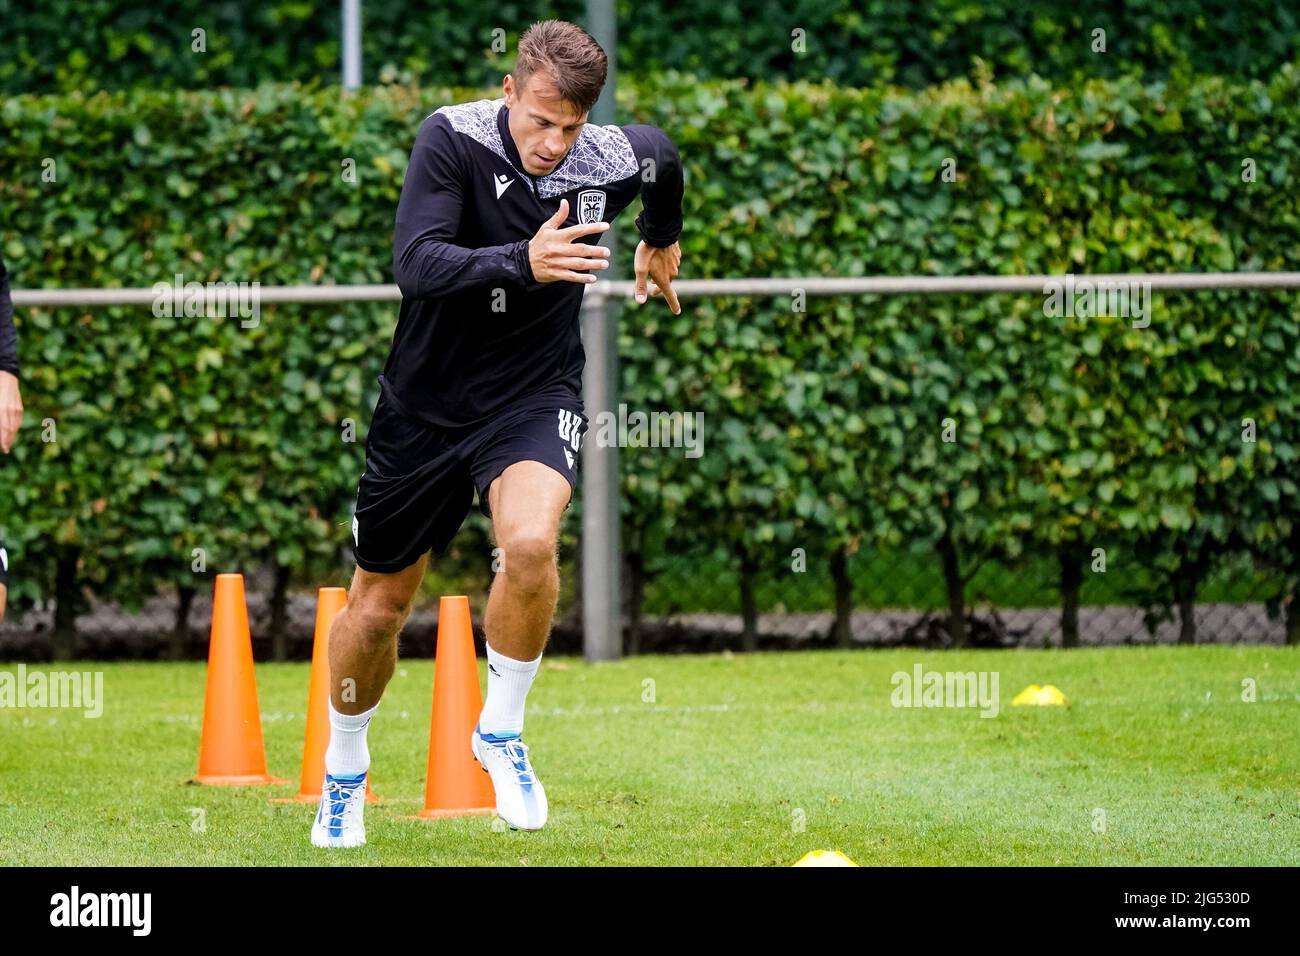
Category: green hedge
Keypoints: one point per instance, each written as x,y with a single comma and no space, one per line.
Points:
98,44
822,428
1073,434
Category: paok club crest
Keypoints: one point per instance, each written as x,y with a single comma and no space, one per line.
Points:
591,206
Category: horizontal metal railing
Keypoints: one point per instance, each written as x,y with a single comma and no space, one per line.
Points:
690,288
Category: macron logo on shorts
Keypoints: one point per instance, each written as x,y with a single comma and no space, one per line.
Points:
354,531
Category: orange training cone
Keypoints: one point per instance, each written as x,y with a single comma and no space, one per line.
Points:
329,601
230,749
456,785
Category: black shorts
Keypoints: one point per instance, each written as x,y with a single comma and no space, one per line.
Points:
420,479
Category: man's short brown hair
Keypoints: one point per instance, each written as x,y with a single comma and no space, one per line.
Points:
569,54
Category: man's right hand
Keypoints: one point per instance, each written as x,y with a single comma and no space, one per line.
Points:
555,257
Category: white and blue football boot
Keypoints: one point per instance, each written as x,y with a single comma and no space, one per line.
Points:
521,801
340,820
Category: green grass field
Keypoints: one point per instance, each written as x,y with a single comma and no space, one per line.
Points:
739,760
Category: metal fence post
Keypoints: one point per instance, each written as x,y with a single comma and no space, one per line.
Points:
351,32
602,617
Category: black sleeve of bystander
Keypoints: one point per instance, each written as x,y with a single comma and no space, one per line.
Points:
8,334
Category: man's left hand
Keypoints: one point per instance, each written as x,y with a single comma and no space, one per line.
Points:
660,265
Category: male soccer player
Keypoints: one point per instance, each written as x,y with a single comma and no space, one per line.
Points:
482,388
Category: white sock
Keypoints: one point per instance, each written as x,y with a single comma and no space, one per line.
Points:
347,754
508,683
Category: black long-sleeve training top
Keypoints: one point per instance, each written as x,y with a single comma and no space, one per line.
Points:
476,332
8,334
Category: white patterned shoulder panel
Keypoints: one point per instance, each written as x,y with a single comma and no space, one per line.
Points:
601,154
478,121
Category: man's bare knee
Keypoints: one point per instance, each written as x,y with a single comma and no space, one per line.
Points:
376,617
379,604
528,558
